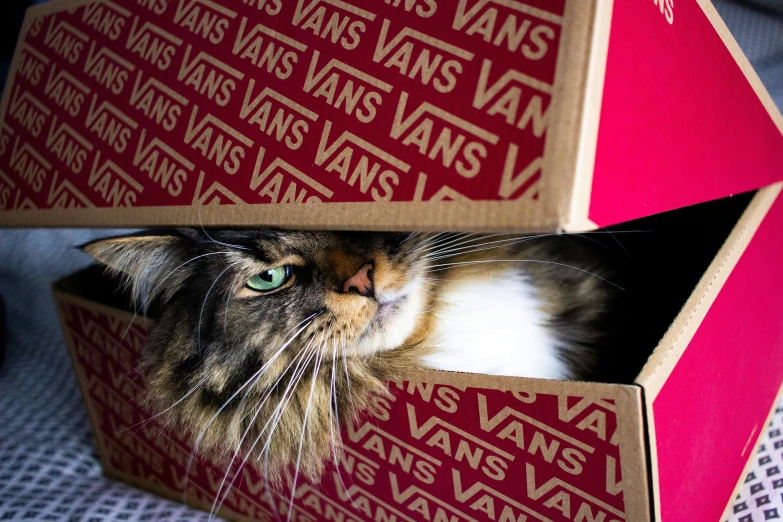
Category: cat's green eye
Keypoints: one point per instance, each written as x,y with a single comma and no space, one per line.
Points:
271,279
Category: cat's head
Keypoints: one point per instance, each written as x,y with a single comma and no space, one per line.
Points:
272,330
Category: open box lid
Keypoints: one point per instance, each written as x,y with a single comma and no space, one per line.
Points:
464,115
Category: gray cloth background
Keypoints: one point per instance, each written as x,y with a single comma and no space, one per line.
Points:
49,469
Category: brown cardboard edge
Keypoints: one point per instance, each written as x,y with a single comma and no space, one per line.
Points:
652,448
496,216
634,457
571,73
81,380
752,453
576,214
742,61
669,350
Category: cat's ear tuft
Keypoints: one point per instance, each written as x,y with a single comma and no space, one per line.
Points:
150,265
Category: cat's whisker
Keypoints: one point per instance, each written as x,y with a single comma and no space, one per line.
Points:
347,375
288,394
410,237
252,378
428,241
334,424
274,357
318,359
150,419
445,266
216,505
474,242
499,244
450,239
435,240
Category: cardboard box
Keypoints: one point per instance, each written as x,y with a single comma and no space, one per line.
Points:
425,114
672,446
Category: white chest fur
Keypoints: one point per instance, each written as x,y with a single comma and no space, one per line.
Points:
494,326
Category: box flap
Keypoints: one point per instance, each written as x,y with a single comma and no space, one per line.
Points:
712,380
684,118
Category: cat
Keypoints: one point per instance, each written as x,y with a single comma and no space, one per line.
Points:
268,341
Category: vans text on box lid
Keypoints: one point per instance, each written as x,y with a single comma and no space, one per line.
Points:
464,115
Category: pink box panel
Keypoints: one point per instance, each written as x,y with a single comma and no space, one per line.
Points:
680,123
715,402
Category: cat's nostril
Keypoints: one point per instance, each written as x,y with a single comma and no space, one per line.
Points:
361,282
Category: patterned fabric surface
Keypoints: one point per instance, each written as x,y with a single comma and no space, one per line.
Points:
48,466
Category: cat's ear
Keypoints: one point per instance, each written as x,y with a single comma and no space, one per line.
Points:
150,264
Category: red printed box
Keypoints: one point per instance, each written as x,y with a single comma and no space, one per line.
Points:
463,114
455,447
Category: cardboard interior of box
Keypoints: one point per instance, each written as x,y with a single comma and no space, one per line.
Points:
535,431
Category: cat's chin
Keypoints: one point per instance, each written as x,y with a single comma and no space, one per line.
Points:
394,322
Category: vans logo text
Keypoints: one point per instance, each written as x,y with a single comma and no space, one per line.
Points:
31,64
6,133
414,60
152,44
106,17
355,159
66,195
67,145
346,94
28,111
68,92
204,18
157,101
8,192
508,104
280,182
162,164
113,184
156,6
265,47
29,165
332,23
519,26
217,141
217,82
108,68
463,145
65,40
287,116
423,8
271,7
111,125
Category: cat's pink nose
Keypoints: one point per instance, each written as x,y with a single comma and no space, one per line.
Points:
361,282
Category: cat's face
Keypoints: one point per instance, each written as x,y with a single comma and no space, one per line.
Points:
250,318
